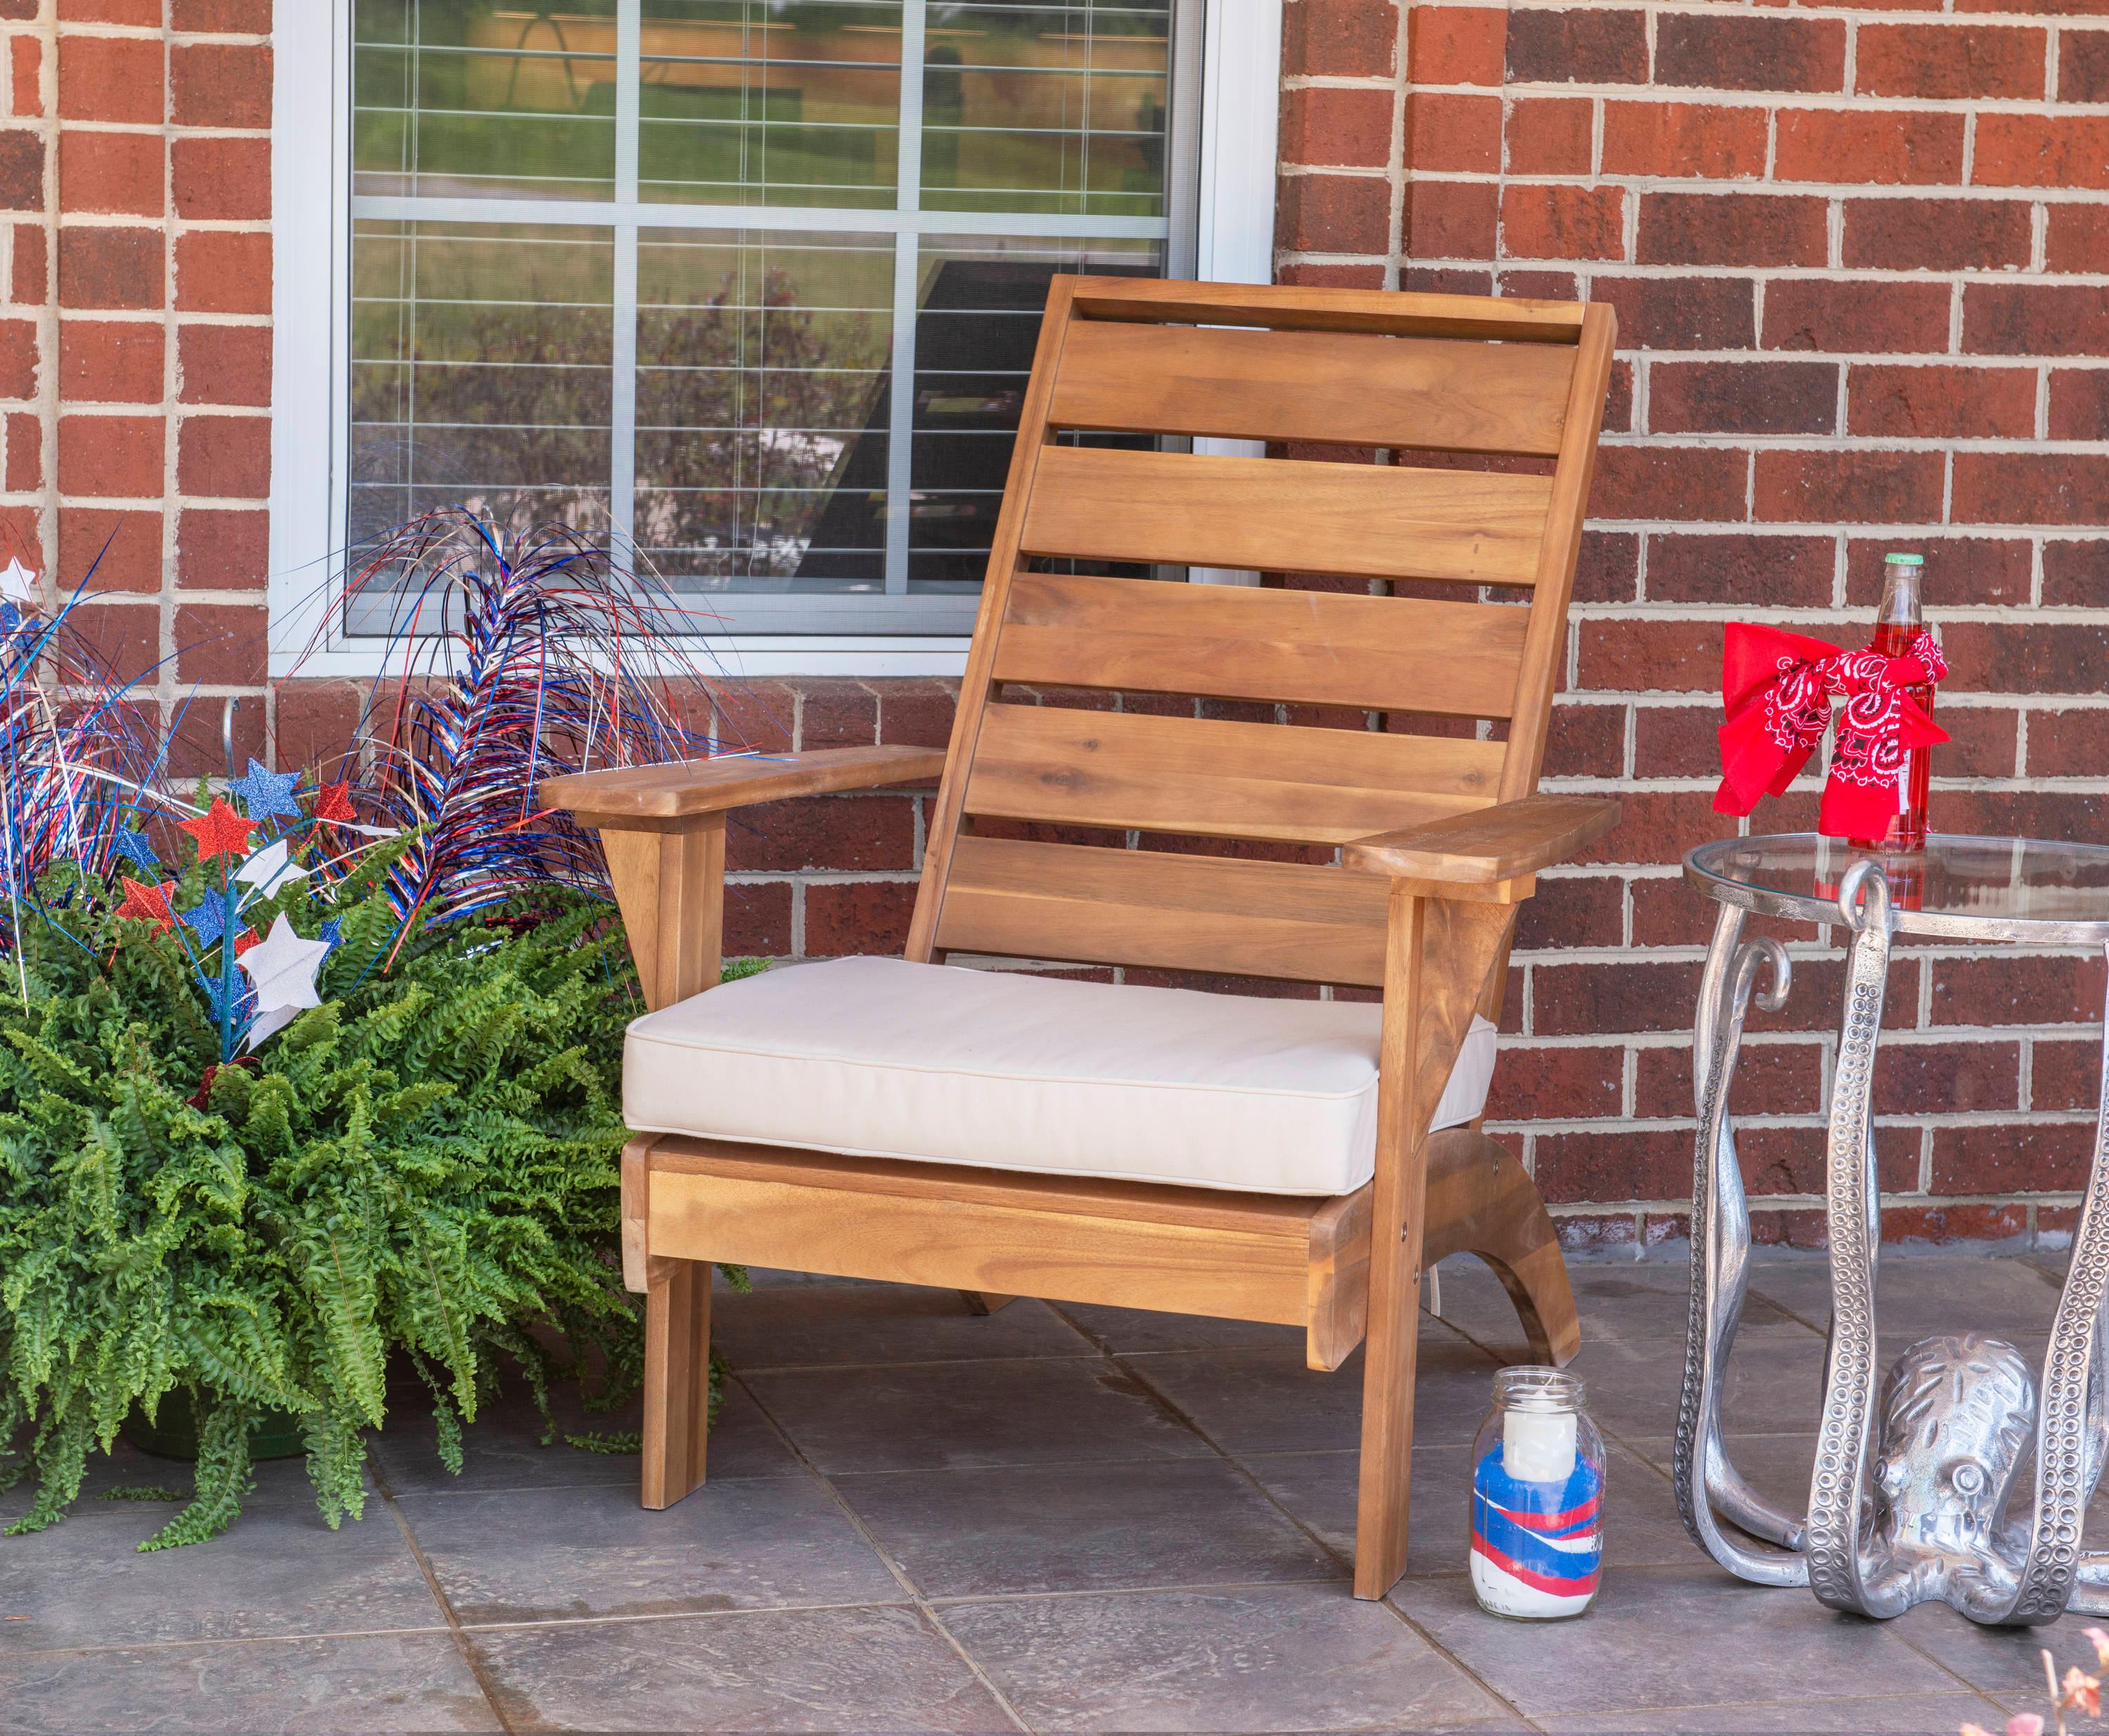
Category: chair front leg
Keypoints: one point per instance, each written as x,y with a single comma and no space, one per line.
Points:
677,1377
1438,954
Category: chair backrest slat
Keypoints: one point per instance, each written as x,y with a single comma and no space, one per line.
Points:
1352,520
1317,386
1505,384
1235,642
1210,777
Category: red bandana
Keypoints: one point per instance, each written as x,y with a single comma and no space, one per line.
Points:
1777,688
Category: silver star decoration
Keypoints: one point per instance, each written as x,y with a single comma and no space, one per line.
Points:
18,584
268,868
282,965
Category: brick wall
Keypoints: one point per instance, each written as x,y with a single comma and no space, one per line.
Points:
1858,254
1813,369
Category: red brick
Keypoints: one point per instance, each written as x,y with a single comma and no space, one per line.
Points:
1847,487
228,457
1986,571
26,68
2076,238
2025,658
2082,66
1603,996
1609,570
1682,139
30,280
1333,214
1336,38
1630,655
1455,44
1732,229
1950,60
1871,146
1445,279
860,832
21,170
1326,125
1856,315
218,550
221,644
1923,402
2051,319
1771,1079
1743,397
1983,741
2064,1076
1936,234
225,364
220,84
126,638
25,453
218,272
1563,223
1330,276
110,455
104,361
1750,51
1672,742
227,17
1450,219
100,267
1768,569
858,916
1451,133
111,77
1819,981
316,725
2080,403
1550,135
134,12
2023,488
837,714
2066,150
1585,45
18,358
1945,1226
1557,1083
757,919
1592,1232
1614,1163
2011,1157
1573,910
120,172
108,551
197,748
1682,312
2075,574
2002,988
1670,482
227,178
1946,1078
916,713
1586,741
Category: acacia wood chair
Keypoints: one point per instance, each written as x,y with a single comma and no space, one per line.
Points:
1425,845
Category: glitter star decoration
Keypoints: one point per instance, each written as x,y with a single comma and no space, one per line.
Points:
333,802
133,847
264,793
209,918
220,831
148,904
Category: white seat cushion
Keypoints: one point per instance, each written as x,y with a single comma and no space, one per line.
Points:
1012,1071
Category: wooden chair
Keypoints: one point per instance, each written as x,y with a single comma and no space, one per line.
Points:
1434,839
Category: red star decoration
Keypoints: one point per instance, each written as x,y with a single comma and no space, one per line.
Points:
247,939
148,904
220,831
334,802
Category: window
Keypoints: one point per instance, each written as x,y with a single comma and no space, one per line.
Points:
660,268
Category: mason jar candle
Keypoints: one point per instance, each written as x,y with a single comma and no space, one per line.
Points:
1537,1499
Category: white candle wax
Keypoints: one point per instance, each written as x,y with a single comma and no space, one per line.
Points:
1538,1446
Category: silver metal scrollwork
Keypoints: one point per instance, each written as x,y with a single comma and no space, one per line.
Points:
1915,1470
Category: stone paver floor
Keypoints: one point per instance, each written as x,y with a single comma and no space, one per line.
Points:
1048,1519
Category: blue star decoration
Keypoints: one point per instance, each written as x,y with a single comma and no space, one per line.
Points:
209,919
264,793
133,845
333,932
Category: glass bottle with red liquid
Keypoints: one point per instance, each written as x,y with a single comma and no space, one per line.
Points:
1899,621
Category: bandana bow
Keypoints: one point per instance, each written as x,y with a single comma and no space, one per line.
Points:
1777,688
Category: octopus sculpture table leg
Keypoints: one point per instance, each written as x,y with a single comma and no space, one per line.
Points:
1908,1496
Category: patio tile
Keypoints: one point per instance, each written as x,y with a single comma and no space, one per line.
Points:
783,1669
1632,1302
503,1447
1916,1715
1775,1384
1641,1526
938,1416
2001,1661
1267,1401
569,1554
1287,1657
311,1687
1918,1294
1658,1638
816,1325
1082,1527
279,1570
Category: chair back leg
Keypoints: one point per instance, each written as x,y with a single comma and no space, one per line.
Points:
677,1377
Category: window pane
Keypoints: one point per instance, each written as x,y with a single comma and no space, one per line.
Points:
771,102
762,409
479,372
483,98
979,319
1046,108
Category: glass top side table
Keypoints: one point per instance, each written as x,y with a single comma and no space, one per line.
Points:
1909,1494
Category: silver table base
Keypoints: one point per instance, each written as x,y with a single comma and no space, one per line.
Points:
1908,1496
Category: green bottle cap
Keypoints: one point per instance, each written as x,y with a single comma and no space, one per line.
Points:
1904,560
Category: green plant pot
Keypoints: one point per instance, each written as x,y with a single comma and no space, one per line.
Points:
275,1434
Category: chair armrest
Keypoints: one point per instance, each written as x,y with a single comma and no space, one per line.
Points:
648,796
1488,846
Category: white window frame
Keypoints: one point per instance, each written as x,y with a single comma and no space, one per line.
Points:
1233,242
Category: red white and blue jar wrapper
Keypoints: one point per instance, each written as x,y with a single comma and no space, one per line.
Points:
1537,1540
